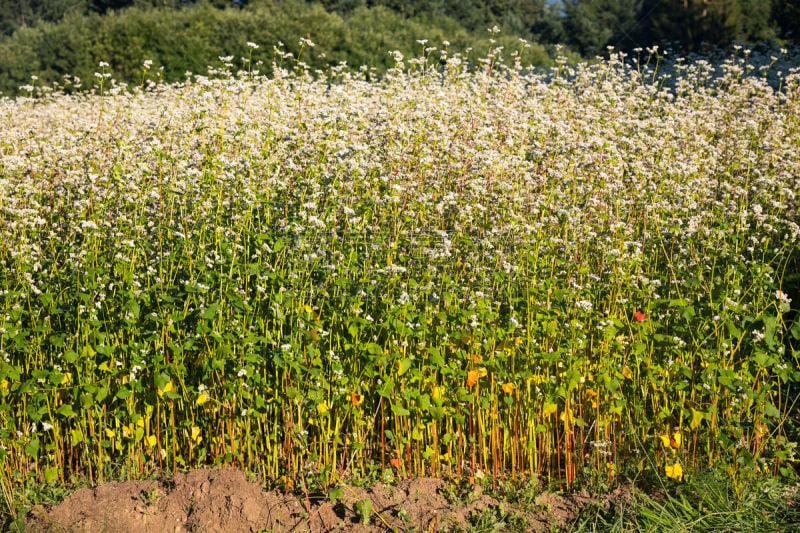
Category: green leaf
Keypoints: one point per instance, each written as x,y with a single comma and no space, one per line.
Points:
435,358
76,436
424,401
123,394
399,410
172,395
210,312
161,379
335,494
50,474
404,365
66,411
795,330
32,448
771,410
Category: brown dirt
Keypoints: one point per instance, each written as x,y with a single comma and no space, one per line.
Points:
225,500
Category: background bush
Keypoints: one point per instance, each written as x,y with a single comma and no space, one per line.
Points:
191,39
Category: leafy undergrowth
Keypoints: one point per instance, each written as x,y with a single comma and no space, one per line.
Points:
709,501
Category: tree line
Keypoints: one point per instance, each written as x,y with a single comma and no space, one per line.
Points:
51,38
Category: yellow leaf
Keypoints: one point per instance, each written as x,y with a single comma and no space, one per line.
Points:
356,399
697,417
402,366
549,408
201,398
307,308
674,471
140,422
626,372
665,441
322,408
66,379
437,392
482,372
592,397
196,434
167,388
676,440
508,388
126,431
110,433
151,440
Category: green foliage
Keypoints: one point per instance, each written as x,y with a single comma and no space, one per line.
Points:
691,25
696,24
17,13
592,25
786,17
58,37
189,40
363,508
711,501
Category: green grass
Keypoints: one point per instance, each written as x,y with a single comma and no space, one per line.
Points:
709,501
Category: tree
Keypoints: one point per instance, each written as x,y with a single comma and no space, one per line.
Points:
591,25
16,13
698,24
786,18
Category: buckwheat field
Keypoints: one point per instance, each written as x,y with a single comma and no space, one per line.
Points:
455,270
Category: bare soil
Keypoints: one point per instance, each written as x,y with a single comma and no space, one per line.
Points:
225,500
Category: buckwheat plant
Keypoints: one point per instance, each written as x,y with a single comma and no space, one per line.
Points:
456,270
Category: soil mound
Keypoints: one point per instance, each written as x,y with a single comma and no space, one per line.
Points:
225,500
